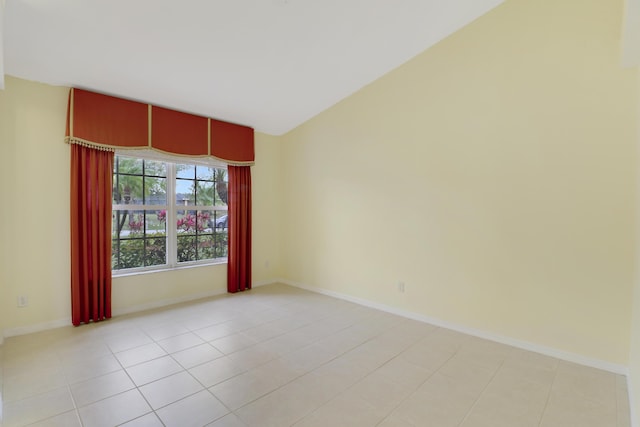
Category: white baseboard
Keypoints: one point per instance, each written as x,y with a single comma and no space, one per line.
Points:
186,298
167,302
23,330
38,327
263,283
553,352
525,345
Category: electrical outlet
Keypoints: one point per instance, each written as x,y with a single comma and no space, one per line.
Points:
23,301
401,287
266,264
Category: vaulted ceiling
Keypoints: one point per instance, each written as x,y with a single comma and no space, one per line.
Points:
269,64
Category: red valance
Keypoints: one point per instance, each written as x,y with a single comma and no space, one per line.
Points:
110,123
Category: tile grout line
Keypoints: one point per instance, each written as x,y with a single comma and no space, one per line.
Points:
484,389
184,369
138,328
131,379
423,382
135,386
345,317
317,367
224,355
546,403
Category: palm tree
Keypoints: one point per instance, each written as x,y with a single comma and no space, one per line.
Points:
126,187
221,185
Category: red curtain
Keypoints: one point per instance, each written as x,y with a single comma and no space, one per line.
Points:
239,262
91,176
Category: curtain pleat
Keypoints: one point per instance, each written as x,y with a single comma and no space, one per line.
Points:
239,259
91,175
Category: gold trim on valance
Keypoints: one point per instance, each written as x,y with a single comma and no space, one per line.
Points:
109,123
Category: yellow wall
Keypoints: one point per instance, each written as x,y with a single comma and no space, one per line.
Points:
34,197
494,174
634,357
267,205
34,218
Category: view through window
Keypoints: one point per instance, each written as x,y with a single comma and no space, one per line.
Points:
167,214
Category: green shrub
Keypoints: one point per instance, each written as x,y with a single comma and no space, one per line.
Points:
141,251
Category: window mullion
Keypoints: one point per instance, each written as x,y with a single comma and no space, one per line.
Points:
171,216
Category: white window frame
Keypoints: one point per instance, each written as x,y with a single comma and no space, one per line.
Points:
171,210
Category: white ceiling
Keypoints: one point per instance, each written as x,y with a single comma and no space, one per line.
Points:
269,64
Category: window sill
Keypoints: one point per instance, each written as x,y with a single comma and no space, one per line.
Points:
136,272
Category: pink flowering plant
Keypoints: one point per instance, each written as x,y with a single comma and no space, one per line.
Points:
136,223
193,243
196,240
189,223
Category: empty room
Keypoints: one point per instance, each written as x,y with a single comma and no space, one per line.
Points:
303,213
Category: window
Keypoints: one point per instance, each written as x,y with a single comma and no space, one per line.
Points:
167,214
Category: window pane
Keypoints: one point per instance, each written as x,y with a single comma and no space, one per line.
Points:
156,251
205,172
203,222
221,243
204,193
221,187
142,239
206,247
186,248
128,165
219,219
127,189
185,195
155,191
155,223
136,223
127,253
186,171
186,222
155,168
127,223
221,194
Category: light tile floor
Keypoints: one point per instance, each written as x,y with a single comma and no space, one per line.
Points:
281,356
